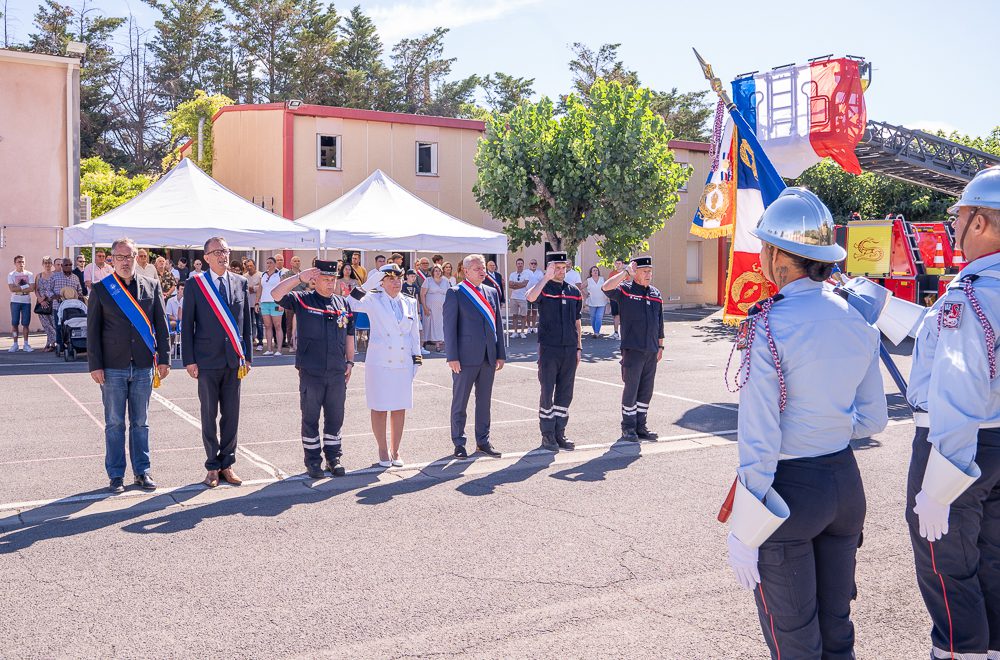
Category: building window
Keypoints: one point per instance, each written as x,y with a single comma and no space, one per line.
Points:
328,152
684,186
427,158
693,262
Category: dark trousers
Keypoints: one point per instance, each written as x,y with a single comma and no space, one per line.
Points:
219,391
256,326
638,373
556,374
326,394
807,566
959,576
481,378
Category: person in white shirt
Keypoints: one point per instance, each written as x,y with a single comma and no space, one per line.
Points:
175,305
143,267
21,283
270,311
518,285
96,271
596,299
534,277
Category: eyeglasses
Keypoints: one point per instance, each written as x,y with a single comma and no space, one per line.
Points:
123,257
219,253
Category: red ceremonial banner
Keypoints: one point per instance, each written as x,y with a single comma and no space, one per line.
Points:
746,286
837,111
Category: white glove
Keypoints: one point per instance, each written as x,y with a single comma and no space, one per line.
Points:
374,280
933,516
743,561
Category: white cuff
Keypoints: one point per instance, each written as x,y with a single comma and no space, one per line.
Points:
943,481
753,521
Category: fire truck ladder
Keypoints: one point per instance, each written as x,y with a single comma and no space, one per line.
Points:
920,158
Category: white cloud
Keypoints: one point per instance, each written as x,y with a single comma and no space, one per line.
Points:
407,19
932,127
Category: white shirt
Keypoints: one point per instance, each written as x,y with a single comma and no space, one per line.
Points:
534,276
90,277
267,284
174,308
523,276
176,273
149,270
596,297
25,279
573,277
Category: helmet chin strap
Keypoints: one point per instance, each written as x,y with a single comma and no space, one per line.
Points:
965,230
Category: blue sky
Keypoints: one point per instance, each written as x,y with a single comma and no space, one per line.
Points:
931,69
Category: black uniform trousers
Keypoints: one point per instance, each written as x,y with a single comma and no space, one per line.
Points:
556,374
959,575
807,566
638,373
325,393
219,392
462,383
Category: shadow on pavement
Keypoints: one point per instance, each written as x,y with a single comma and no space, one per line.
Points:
618,457
898,406
706,418
714,330
438,472
523,469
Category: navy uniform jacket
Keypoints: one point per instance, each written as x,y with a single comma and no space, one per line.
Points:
323,326
494,280
641,310
203,340
560,306
468,337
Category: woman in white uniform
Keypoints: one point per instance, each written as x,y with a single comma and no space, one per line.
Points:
393,355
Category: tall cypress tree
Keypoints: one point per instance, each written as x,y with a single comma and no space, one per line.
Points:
188,48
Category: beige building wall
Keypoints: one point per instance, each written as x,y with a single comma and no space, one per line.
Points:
247,155
39,161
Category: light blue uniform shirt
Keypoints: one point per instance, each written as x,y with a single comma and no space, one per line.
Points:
829,356
951,369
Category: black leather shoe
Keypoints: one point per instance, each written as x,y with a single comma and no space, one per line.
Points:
145,482
549,443
334,467
117,485
315,472
461,453
628,436
563,443
489,450
646,434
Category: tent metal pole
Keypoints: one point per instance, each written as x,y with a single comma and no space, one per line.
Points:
506,308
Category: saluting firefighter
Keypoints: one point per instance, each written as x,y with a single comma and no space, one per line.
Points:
809,383
953,486
640,305
324,357
559,347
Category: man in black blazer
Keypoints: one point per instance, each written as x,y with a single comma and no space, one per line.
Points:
210,357
475,352
122,364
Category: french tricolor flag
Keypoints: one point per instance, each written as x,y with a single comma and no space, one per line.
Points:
802,114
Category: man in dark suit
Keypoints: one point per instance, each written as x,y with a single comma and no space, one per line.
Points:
209,356
475,351
121,362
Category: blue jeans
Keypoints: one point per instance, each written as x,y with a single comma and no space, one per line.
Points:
20,314
596,318
129,388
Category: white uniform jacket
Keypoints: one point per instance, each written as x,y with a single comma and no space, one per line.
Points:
391,343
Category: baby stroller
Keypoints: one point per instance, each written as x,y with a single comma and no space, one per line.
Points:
71,320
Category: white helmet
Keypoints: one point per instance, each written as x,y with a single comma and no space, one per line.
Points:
983,191
799,223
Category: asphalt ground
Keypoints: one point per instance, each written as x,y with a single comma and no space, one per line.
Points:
608,551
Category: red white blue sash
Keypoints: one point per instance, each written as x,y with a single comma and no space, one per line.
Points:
482,304
223,314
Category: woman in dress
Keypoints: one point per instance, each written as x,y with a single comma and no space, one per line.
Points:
347,279
44,295
448,272
393,355
596,300
432,295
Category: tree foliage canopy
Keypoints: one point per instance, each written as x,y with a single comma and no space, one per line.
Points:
603,168
183,123
107,187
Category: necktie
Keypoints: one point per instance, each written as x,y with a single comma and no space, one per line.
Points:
223,294
397,308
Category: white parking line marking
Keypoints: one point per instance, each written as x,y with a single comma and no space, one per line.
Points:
368,434
257,460
99,423
723,406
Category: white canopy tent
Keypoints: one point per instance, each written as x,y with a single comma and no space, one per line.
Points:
186,207
379,214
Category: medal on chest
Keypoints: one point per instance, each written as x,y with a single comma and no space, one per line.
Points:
742,334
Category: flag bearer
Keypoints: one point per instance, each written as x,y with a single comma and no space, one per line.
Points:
324,359
953,488
641,308
810,383
560,305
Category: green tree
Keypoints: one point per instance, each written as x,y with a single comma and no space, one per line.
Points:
421,73
601,169
188,48
108,188
504,92
315,50
183,123
265,29
589,66
686,114
363,81
990,144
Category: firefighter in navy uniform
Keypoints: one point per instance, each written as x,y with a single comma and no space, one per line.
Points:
641,307
560,305
324,358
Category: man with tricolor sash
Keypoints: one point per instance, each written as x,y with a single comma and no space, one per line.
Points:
215,342
127,354
473,338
